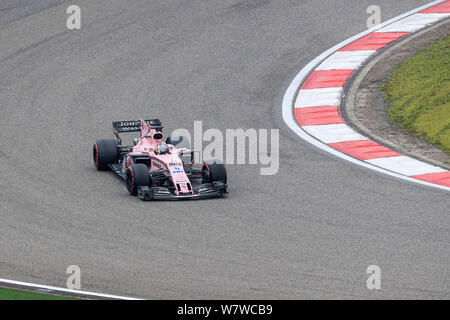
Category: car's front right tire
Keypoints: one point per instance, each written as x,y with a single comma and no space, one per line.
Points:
214,171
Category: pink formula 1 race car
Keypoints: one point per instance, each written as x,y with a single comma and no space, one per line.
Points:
154,169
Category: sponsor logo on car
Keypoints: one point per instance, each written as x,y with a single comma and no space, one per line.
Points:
177,170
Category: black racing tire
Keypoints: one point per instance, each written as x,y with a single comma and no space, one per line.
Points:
105,152
137,176
214,172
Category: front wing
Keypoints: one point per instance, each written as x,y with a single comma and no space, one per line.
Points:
205,191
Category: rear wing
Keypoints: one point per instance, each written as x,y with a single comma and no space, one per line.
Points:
134,126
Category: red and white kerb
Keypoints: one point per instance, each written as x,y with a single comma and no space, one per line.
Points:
316,108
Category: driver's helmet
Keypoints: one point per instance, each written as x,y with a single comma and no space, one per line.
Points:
161,148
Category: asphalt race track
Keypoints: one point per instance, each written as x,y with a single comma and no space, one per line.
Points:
308,232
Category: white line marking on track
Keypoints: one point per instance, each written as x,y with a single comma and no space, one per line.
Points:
87,294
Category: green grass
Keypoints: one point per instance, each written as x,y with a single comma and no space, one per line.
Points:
418,94
13,294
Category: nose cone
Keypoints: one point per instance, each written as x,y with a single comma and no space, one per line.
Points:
179,178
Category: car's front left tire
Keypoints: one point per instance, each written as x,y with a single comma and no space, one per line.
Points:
137,176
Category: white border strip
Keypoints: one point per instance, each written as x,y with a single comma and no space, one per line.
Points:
87,294
290,96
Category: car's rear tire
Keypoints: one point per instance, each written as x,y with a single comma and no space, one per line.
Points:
137,176
105,152
214,172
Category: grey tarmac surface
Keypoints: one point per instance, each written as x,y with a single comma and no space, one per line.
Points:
308,232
